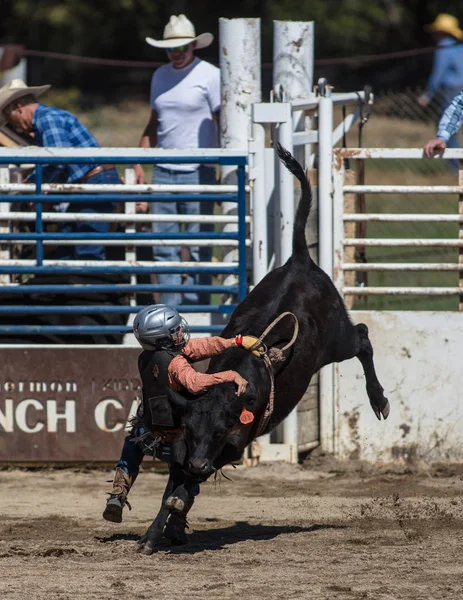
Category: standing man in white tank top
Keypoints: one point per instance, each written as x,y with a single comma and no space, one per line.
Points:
185,105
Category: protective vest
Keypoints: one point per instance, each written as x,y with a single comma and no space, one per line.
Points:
158,413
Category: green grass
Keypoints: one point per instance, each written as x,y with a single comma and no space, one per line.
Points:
419,204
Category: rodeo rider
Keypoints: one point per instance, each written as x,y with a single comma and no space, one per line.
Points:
166,362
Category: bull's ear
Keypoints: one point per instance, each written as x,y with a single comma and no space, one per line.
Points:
176,400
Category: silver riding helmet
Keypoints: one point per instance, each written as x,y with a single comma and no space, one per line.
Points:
160,326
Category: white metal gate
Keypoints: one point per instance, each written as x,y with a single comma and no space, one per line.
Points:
417,354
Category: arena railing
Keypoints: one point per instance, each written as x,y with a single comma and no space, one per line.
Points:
416,246
38,193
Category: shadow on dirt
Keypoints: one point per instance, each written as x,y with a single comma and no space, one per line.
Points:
217,539
241,531
118,537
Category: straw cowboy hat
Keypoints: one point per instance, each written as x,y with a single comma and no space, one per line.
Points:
446,24
180,31
16,89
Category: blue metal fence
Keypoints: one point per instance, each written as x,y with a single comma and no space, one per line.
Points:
40,266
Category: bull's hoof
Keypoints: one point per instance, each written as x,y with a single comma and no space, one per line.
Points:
386,410
175,503
146,550
146,545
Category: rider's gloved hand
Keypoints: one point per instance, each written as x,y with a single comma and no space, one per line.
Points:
249,342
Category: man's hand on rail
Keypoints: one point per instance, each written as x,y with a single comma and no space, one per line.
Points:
139,174
434,146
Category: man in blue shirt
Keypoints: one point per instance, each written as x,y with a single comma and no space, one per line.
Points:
446,79
450,123
56,128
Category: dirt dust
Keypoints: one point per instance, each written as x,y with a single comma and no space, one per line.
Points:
317,531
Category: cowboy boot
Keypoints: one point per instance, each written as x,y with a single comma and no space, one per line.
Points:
176,525
118,496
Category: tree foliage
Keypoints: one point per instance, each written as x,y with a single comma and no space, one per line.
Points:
117,28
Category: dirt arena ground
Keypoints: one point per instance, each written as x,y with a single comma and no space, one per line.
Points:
319,531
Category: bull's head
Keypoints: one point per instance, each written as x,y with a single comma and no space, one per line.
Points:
212,427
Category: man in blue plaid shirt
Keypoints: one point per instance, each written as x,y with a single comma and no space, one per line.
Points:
55,128
450,123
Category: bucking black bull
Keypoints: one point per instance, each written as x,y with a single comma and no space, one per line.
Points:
218,425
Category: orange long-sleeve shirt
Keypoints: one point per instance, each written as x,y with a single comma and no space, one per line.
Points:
182,375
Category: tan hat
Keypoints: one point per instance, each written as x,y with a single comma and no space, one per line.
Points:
16,89
180,31
446,24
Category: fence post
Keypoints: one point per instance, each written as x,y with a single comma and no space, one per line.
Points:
240,69
326,242
293,65
460,234
257,179
5,253
131,251
285,180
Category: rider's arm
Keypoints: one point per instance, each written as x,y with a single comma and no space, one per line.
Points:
201,348
183,375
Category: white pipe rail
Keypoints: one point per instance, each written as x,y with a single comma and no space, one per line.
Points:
390,153
403,291
111,263
134,242
104,188
405,243
339,99
27,152
403,189
403,218
402,267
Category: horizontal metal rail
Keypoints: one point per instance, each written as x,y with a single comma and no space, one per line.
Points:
403,189
90,270
200,235
402,291
402,267
91,310
52,188
86,329
402,218
130,242
44,156
390,154
116,288
85,198
338,98
380,242
55,217
118,263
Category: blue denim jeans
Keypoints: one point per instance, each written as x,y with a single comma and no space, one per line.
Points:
82,251
132,456
202,175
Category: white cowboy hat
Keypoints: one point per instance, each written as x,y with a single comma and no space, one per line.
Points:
180,31
16,89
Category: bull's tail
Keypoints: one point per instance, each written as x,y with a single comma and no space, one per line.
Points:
300,249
